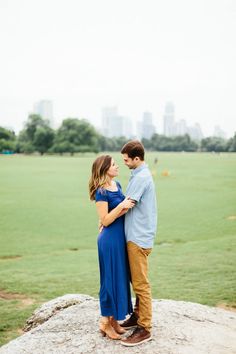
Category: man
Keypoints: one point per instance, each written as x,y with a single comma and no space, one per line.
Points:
140,230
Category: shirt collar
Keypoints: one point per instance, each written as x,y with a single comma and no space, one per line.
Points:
138,169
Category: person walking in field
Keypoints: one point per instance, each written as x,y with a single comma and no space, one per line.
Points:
114,295
140,230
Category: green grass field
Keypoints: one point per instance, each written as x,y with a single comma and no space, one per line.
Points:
48,231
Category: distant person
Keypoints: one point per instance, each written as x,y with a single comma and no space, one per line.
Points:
114,295
140,230
155,161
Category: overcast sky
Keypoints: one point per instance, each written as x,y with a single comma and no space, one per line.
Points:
136,54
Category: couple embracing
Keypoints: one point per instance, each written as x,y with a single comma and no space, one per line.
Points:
124,244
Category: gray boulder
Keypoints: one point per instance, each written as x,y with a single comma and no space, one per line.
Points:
69,325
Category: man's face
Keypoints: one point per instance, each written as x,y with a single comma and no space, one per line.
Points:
129,162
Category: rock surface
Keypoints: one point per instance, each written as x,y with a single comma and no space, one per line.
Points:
69,324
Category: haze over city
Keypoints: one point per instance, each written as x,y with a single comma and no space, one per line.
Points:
136,55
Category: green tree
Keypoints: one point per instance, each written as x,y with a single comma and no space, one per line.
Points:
36,135
231,144
43,139
213,144
184,143
107,144
147,143
166,143
121,141
7,140
33,123
7,146
7,134
22,140
76,135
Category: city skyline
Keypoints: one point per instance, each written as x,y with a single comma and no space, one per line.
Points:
135,122
158,122
133,54
115,124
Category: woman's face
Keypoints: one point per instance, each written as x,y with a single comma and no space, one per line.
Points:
113,169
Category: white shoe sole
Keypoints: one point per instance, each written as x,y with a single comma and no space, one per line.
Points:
131,327
134,344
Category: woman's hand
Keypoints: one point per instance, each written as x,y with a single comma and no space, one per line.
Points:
123,212
107,217
100,226
127,203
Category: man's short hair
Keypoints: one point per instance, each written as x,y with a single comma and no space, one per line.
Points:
134,148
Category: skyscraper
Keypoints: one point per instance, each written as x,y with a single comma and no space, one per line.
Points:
169,119
195,132
109,115
45,109
147,127
127,127
180,127
115,125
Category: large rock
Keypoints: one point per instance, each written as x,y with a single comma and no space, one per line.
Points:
69,324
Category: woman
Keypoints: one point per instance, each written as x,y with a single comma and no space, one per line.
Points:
115,297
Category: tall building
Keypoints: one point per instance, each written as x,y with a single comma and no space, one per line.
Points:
127,127
109,114
195,132
139,130
180,127
146,126
115,125
45,109
173,128
169,119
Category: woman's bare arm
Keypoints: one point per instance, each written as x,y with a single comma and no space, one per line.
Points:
123,212
108,218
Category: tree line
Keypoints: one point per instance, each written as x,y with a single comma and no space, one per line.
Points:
78,135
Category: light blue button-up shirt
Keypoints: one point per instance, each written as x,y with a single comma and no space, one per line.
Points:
141,220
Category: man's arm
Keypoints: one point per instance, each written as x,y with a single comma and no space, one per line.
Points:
136,189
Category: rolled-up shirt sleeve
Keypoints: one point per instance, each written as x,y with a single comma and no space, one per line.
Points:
136,189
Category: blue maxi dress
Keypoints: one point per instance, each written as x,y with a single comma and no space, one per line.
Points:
114,295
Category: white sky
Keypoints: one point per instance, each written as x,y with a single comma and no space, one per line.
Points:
136,54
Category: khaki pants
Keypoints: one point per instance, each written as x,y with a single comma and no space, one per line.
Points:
138,261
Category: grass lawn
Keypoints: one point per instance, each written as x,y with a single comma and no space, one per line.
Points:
48,231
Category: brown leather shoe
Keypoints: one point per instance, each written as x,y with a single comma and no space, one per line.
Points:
131,322
139,336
